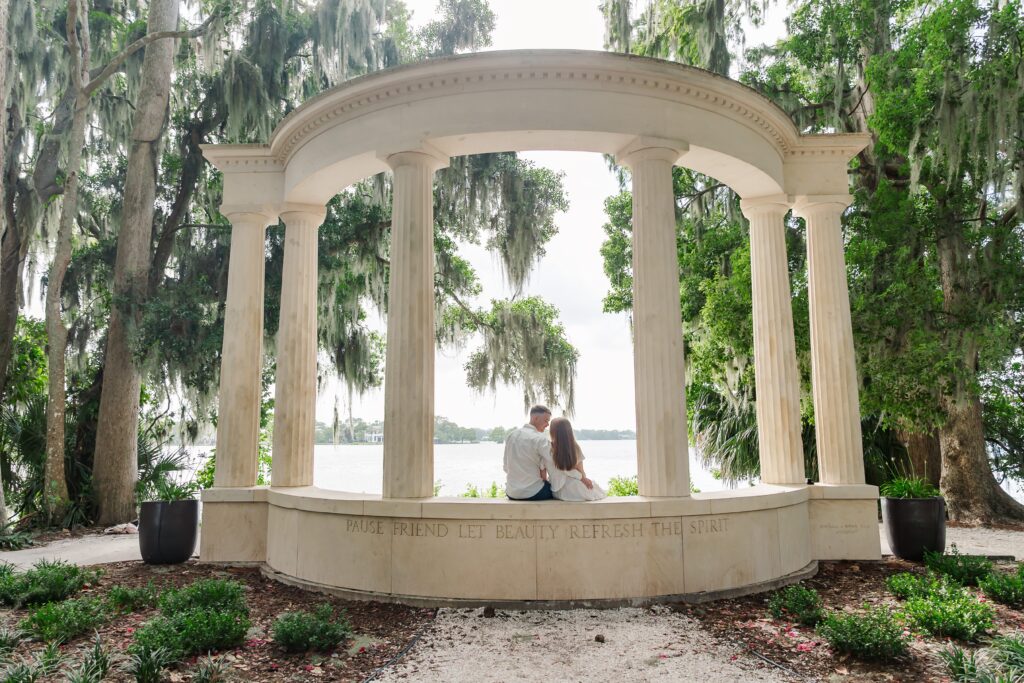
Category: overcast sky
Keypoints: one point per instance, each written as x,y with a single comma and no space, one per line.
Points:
604,389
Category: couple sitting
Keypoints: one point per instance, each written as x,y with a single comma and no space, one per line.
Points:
541,468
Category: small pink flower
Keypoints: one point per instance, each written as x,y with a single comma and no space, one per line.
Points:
805,647
308,667
362,650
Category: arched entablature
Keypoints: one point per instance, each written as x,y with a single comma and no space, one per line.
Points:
536,100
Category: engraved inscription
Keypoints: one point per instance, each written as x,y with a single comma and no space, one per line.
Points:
525,531
702,527
420,529
365,525
607,530
672,528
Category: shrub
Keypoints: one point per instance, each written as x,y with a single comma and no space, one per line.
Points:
147,665
221,595
196,631
796,603
623,486
966,570
302,631
960,616
875,634
1007,589
62,621
906,585
12,539
121,599
46,581
905,487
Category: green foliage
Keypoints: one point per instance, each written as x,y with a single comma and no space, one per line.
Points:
492,491
147,665
94,667
46,581
124,600
303,631
195,631
1004,588
623,486
957,616
9,639
906,585
903,487
963,666
966,570
170,491
796,603
42,667
62,621
875,634
207,615
210,670
12,539
223,595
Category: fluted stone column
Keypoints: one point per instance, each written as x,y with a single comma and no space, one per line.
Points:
833,369
295,384
775,369
238,419
409,371
662,450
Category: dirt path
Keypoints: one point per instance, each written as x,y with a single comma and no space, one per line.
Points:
639,645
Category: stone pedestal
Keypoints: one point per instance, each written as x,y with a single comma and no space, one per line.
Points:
662,451
242,357
295,385
833,369
409,373
775,369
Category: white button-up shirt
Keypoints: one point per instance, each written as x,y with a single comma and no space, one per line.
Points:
526,452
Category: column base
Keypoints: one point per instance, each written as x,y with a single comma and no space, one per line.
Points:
234,526
844,522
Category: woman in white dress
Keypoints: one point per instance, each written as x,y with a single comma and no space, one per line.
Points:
567,477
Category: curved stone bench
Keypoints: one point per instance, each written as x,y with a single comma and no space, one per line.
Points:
472,551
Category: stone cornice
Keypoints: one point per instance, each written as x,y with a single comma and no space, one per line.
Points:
243,158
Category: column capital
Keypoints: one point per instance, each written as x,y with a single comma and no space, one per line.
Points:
249,212
808,204
775,203
644,148
421,154
314,213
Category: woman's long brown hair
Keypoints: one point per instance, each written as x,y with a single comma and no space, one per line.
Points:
563,446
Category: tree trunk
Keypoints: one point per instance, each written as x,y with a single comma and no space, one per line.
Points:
924,454
5,63
971,491
115,468
55,488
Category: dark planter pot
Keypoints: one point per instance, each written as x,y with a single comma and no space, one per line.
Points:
168,531
914,525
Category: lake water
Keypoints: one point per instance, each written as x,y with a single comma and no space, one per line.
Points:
359,468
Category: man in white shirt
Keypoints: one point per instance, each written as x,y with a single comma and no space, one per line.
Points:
527,450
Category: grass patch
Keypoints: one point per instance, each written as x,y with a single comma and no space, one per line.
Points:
1003,660
46,581
147,666
492,491
876,634
303,631
796,603
61,621
966,570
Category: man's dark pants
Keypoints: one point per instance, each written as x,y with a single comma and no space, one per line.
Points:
543,494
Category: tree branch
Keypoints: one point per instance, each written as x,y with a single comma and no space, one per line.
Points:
118,60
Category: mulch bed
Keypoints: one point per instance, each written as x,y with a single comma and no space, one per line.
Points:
381,631
798,651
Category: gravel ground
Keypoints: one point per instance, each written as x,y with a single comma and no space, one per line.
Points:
639,645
